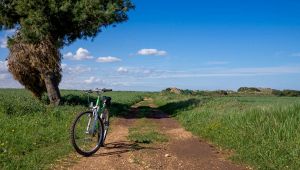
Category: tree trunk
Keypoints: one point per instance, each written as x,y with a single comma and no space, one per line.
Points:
52,88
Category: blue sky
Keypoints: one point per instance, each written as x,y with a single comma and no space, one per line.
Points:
193,44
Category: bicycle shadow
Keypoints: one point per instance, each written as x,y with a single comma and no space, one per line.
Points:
117,148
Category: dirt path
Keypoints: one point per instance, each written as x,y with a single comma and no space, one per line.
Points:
182,151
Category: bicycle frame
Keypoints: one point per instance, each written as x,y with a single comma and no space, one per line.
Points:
95,110
94,123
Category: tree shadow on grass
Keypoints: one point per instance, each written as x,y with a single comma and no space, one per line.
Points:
145,112
128,112
165,111
82,100
71,99
173,107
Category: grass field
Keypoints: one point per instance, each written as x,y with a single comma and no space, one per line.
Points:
263,132
33,135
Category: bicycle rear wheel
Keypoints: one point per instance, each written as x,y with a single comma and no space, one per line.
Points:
105,119
87,133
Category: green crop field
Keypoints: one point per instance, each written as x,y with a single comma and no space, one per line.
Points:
262,132
33,134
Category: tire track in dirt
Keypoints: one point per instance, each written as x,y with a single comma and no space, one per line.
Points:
182,151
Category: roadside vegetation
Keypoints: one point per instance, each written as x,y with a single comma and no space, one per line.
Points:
33,134
262,131
242,91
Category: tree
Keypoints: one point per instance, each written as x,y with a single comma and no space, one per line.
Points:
34,64
45,26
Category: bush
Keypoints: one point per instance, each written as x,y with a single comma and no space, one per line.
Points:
288,93
172,90
277,92
221,92
291,93
248,90
188,92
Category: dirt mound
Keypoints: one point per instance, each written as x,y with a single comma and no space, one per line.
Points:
173,90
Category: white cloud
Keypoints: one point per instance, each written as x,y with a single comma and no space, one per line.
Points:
75,69
3,76
91,80
108,59
122,70
3,66
68,55
6,78
64,66
135,71
10,31
152,51
120,84
79,69
81,54
3,42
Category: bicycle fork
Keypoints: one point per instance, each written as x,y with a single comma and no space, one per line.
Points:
92,123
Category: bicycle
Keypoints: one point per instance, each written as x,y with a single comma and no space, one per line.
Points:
89,129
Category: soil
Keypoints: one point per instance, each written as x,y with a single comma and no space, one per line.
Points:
182,151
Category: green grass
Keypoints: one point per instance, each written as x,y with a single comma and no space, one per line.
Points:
263,132
145,131
33,135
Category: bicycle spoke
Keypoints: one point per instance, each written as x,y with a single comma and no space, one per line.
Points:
87,133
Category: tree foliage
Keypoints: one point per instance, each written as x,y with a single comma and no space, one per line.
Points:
63,20
45,26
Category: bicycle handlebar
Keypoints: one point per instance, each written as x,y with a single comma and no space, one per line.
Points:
106,90
97,90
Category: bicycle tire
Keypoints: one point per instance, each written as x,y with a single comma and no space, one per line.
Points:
105,128
74,141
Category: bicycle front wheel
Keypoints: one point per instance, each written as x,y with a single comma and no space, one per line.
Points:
87,133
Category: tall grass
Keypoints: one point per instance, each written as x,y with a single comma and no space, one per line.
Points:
263,131
33,134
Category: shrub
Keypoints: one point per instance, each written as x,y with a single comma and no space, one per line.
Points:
248,90
288,93
291,93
